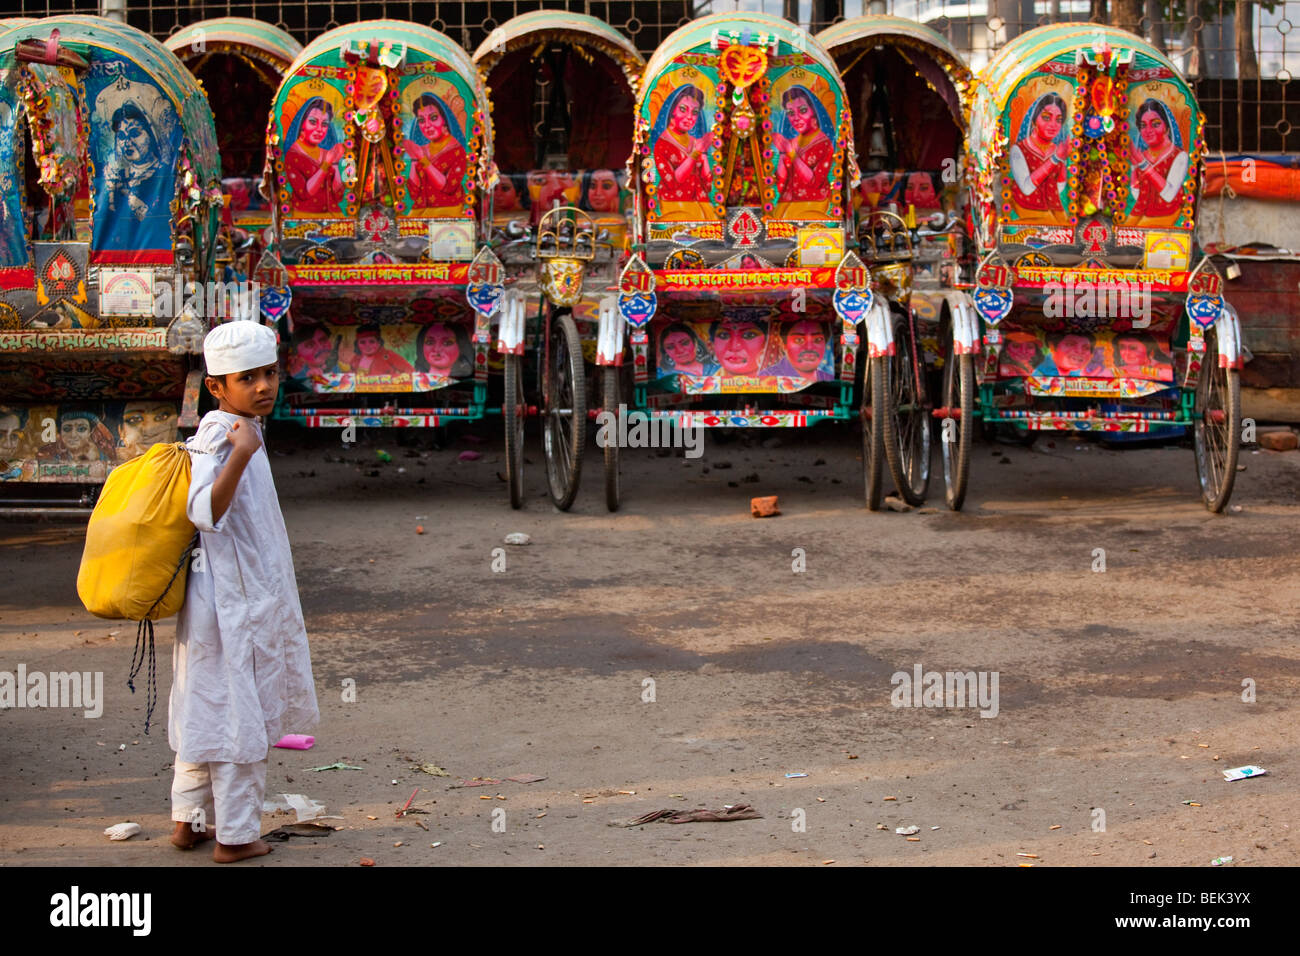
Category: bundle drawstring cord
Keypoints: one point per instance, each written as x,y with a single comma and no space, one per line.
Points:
144,642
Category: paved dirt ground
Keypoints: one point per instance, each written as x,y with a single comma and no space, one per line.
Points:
1120,690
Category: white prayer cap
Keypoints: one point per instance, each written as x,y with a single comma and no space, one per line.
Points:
238,346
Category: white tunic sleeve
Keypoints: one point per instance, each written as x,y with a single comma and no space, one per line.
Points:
211,449
1174,181
1020,172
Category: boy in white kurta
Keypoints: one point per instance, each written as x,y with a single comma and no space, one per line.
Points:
242,670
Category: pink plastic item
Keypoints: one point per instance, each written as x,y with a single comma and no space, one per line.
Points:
295,742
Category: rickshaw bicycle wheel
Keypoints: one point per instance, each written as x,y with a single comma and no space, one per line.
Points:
907,427
610,395
565,432
874,413
958,393
513,407
1218,425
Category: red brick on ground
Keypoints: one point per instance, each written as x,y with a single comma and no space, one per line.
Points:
1280,439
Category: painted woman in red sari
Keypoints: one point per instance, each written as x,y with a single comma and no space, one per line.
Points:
1038,158
803,173
681,155
438,161
311,161
1159,166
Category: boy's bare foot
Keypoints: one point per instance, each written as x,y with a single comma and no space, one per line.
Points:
185,837
233,854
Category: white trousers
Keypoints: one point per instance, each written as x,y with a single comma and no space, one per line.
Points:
227,794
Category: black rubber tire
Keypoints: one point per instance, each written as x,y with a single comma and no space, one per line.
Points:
907,432
610,396
1217,443
874,413
513,405
958,392
565,414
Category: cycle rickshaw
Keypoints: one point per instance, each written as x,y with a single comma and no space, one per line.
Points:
910,91
744,303
379,159
1098,311
109,205
564,87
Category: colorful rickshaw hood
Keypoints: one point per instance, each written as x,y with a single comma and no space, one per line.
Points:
322,73
577,29
803,67
1102,83
242,35
139,119
902,34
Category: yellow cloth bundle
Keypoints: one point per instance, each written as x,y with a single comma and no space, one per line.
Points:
133,567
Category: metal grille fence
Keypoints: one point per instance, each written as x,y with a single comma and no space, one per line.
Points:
1242,55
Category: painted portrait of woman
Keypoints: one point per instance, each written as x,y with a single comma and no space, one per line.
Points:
135,186
311,160
439,158
1159,165
129,165
600,192
740,344
681,140
370,356
443,350
1039,154
511,193
803,169
683,352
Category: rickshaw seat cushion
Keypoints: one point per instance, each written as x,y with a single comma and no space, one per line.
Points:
135,561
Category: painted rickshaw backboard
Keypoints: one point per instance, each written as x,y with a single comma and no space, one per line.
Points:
731,72
380,131
1086,124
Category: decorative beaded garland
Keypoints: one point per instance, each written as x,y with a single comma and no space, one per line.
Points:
642,142
1075,171
1195,171
760,97
845,126
402,174
1120,161
350,147
61,173
1105,155
721,122
473,143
